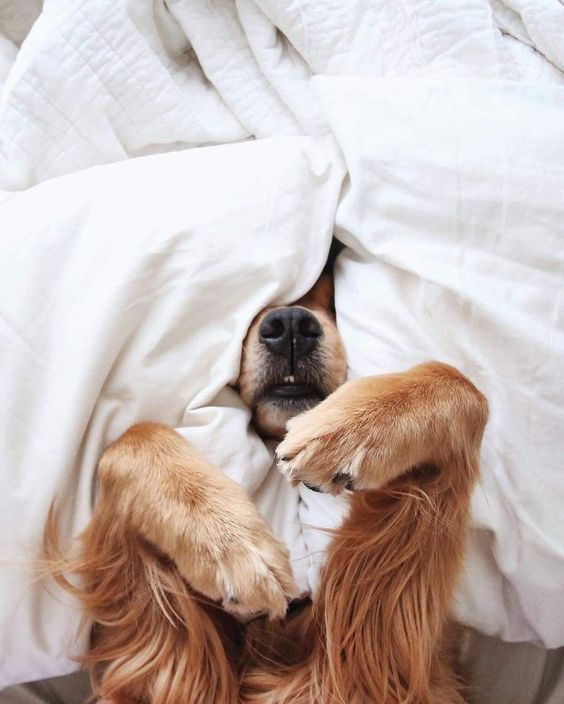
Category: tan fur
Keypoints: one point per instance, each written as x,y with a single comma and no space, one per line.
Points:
377,427
377,625
168,527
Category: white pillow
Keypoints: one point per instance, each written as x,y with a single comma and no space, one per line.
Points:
125,293
454,212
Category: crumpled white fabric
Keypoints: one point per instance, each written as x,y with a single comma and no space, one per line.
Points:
103,80
131,303
89,82
455,222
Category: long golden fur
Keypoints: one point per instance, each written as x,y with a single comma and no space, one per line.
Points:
175,550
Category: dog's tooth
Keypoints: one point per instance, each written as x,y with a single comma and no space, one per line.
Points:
289,379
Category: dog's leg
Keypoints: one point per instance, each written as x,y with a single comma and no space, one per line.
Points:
373,430
412,440
204,521
168,524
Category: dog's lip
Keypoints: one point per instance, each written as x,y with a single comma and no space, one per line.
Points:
294,390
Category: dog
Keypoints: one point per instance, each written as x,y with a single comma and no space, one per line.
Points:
177,557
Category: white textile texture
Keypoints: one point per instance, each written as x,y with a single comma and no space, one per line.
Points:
169,167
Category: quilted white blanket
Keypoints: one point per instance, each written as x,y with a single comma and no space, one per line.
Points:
432,145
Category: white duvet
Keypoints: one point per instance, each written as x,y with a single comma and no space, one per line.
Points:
433,146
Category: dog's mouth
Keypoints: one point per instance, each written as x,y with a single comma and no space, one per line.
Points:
294,392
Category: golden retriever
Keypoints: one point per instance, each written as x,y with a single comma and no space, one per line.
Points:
175,550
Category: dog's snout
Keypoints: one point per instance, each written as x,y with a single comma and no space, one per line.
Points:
291,332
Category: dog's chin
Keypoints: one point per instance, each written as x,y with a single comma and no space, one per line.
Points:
278,404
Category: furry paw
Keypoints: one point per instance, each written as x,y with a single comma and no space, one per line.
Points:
376,429
322,451
359,438
161,489
256,578
242,566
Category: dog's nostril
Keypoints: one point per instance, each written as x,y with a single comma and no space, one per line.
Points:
309,327
272,329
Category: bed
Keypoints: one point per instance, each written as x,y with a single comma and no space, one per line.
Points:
167,169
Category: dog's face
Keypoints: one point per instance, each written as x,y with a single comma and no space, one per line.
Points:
293,357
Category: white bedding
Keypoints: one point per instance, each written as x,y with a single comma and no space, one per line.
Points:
126,289
454,218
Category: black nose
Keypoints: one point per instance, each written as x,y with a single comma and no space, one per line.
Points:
291,331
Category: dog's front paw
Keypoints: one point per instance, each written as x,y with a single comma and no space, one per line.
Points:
325,447
256,578
376,429
364,435
237,562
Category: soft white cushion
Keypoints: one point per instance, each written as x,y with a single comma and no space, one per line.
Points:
125,294
454,213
